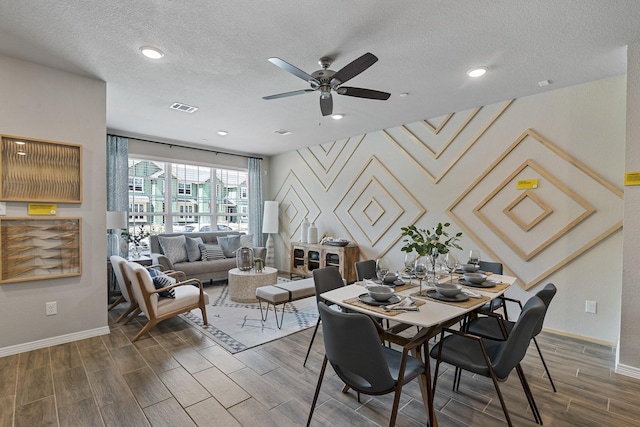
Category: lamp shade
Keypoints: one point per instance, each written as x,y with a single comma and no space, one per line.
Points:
270,217
116,220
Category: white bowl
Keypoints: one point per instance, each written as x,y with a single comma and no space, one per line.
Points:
380,292
475,278
390,278
448,289
469,268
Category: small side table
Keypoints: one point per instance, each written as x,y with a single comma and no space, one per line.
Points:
243,284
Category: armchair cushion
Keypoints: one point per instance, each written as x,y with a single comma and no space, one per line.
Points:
193,249
174,247
161,280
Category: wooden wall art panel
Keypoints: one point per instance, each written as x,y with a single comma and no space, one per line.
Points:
40,171
37,249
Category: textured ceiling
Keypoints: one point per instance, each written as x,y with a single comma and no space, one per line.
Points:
216,59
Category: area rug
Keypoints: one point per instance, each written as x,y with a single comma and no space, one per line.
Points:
238,326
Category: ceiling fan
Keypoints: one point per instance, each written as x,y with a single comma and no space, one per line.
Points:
327,80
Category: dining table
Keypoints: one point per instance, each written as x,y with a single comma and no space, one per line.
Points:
430,318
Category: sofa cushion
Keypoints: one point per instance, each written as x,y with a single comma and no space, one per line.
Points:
211,252
193,250
229,245
161,280
174,247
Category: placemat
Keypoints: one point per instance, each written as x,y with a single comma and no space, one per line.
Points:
499,287
463,304
377,308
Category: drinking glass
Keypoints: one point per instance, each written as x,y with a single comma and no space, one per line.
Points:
451,262
382,268
420,270
409,262
474,256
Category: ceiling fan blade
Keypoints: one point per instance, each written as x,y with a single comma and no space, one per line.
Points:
285,94
363,93
293,70
326,104
355,67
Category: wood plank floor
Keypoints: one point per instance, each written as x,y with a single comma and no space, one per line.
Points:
175,376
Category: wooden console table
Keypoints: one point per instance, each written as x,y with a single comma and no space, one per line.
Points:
306,257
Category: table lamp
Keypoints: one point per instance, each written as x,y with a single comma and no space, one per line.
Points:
270,226
116,220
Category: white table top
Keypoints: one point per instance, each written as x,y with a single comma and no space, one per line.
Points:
432,313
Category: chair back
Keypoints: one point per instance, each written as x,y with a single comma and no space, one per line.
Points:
116,265
492,267
353,348
326,279
510,352
546,294
365,270
142,288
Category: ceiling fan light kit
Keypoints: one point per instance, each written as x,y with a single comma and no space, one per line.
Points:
327,80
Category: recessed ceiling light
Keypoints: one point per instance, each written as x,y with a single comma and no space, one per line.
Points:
337,116
223,133
403,94
544,83
183,107
151,52
477,71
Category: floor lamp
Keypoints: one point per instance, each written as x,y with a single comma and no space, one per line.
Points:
270,226
116,221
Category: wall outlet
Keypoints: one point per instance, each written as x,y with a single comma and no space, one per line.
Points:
590,307
51,308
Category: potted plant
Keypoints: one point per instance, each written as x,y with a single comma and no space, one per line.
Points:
136,238
430,242
425,241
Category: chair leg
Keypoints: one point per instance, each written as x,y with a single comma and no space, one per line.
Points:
311,343
315,396
116,302
527,392
553,386
132,307
144,329
134,315
264,316
203,310
504,406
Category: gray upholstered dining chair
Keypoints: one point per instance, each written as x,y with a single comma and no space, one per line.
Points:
324,279
491,267
353,347
365,269
491,358
490,327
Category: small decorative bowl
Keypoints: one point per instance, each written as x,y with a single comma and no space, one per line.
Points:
390,278
448,289
380,292
475,278
469,268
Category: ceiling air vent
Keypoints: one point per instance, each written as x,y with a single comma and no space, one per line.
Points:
183,107
282,132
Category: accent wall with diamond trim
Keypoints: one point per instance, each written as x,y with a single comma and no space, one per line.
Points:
464,168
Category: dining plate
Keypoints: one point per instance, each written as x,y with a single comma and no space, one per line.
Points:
437,295
461,271
365,298
485,284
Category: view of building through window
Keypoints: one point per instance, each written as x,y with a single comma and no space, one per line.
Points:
172,197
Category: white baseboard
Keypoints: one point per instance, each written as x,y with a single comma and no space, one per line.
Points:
629,371
47,342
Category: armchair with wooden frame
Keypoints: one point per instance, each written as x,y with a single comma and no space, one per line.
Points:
189,295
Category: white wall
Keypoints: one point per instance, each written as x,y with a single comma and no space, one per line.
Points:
629,350
367,187
40,102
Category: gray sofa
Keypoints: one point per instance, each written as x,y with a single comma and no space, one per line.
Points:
208,270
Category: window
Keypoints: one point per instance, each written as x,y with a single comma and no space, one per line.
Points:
181,197
136,184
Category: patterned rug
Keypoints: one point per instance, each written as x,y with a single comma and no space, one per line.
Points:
238,326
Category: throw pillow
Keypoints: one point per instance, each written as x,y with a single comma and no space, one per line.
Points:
211,252
229,245
193,250
161,280
246,240
174,247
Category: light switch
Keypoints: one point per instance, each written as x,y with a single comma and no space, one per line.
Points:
3,208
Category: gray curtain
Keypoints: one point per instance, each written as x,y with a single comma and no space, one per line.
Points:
255,201
118,176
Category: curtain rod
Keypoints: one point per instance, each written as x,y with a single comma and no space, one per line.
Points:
186,146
